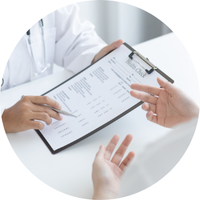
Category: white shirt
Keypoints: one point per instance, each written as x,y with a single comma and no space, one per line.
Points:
157,159
68,43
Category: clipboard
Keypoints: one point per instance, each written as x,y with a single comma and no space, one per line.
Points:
130,57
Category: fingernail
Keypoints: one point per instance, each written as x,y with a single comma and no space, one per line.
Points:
41,126
143,106
61,117
59,106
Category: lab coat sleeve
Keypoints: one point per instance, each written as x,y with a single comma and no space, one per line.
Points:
2,110
76,43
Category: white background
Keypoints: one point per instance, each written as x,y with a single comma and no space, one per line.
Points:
182,17
112,20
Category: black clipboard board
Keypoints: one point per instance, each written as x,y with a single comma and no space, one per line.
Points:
115,118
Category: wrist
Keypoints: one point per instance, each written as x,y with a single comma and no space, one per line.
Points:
196,114
93,59
104,193
5,120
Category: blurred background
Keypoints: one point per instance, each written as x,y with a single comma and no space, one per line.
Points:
115,20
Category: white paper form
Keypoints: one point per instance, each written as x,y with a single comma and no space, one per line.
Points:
97,95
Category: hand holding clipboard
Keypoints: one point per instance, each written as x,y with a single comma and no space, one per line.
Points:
98,96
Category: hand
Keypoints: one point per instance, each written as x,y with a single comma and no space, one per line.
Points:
107,49
21,116
106,174
166,106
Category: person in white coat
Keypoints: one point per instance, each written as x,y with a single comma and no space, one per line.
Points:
59,38
167,106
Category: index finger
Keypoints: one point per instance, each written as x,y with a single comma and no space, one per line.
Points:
146,88
45,100
122,149
111,146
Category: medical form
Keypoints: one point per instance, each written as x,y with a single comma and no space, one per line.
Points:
97,96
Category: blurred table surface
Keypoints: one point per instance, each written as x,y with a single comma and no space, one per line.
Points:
70,170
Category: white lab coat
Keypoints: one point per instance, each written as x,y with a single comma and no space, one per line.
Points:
68,43
157,159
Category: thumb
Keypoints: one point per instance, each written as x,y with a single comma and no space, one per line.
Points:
171,89
112,46
107,49
101,152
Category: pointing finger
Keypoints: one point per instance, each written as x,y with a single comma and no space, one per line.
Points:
44,100
146,88
144,97
111,146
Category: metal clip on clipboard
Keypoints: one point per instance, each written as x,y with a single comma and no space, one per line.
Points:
153,67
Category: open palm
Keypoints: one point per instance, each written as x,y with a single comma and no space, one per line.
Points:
107,172
166,106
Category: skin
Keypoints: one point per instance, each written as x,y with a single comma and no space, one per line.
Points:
22,115
107,171
107,49
166,106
